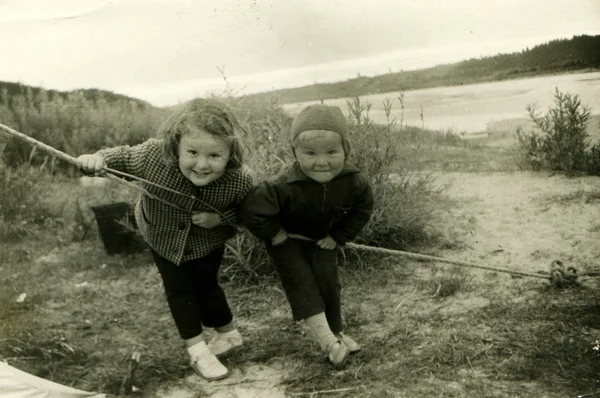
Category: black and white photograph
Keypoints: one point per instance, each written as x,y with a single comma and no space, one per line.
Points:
319,198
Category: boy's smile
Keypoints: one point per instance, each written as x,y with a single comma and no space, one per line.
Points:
320,154
202,157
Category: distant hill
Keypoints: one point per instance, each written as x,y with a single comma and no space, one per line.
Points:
10,90
556,56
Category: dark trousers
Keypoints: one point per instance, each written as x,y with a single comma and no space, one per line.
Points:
193,293
309,276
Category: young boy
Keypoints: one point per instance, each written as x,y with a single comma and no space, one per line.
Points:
318,203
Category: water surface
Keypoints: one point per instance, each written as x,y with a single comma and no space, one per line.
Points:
471,108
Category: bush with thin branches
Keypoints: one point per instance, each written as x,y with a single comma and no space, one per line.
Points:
405,196
73,124
559,140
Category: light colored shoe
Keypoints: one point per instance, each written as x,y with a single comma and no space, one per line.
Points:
350,343
338,353
227,343
209,367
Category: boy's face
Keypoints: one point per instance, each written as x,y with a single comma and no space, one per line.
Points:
202,157
320,154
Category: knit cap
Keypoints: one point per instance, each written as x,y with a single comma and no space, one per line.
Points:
322,117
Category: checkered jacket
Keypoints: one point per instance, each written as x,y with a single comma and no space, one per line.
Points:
168,230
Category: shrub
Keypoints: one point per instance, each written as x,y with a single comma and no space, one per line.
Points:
593,159
404,196
267,129
560,139
74,124
22,206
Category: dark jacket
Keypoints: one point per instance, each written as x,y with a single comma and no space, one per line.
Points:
340,208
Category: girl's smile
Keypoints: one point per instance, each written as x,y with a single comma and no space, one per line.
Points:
203,157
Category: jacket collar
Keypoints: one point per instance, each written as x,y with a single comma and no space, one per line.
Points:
295,173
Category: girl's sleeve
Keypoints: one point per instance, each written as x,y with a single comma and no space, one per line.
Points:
260,210
243,185
350,226
130,159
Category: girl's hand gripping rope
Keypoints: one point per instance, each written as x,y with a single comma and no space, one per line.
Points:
92,164
206,219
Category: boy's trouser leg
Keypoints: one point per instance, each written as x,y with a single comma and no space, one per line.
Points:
297,278
193,293
310,280
324,265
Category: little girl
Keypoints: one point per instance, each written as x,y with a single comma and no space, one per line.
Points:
199,155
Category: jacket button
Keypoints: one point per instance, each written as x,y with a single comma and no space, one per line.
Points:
182,225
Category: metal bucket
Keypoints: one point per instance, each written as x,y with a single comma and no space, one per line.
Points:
117,226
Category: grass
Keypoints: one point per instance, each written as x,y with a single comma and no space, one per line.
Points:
474,159
82,323
580,196
420,339
492,151
420,349
448,282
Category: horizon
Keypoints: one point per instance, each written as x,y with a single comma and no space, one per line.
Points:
339,71
168,51
242,85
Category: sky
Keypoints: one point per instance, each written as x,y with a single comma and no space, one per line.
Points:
169,51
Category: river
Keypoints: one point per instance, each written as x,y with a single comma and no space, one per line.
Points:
472,108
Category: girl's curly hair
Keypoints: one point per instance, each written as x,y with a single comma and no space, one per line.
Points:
209,115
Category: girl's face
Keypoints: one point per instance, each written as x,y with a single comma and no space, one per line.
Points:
202,157
320,154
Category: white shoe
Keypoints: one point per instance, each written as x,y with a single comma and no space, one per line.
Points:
207,365
350,343
338,353
226,343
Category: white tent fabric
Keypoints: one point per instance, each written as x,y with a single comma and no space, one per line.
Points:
15,383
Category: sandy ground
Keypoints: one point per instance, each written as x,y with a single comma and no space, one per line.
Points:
519,221
255,381
524,220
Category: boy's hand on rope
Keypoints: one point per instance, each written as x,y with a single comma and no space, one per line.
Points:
280,238
327,243
206,219
92,164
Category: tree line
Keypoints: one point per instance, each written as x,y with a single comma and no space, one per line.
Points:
557,56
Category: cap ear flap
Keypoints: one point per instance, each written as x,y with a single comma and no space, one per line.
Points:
347,147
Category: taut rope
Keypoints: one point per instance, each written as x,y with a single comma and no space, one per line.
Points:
560,275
